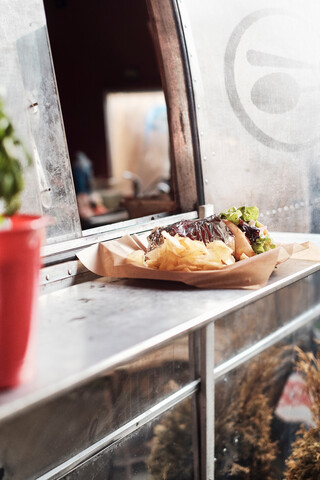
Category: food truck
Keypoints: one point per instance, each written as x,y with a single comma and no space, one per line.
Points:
139,114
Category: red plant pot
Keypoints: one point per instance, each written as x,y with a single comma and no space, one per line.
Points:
19,283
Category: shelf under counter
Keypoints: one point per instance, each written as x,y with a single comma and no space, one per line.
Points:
89,329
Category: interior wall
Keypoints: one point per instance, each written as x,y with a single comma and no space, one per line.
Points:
98,46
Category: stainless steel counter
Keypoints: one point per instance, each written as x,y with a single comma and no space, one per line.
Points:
88,329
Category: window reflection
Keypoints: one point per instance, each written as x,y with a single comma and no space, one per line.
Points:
78,419
262,406
160,450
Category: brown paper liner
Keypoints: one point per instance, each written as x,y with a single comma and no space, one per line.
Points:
109,259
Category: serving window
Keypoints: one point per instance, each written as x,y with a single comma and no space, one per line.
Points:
71,65
114,109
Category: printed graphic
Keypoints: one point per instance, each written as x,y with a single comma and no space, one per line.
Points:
272,78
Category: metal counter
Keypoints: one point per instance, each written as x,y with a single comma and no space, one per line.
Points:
115,357
88,329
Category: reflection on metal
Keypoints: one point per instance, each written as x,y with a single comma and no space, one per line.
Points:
160,449
266,342
77,419
123,431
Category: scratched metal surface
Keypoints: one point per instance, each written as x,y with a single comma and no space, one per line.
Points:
30,96
88,329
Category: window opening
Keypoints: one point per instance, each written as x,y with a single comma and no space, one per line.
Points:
118,142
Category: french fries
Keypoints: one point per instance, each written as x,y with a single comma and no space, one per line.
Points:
185,255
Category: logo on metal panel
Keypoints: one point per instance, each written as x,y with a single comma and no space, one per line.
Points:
272,78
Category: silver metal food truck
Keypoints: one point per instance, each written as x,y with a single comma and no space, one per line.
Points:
158,112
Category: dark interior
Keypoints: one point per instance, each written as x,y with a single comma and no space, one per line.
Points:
97,47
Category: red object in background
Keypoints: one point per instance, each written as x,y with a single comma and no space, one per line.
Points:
19,283
295,404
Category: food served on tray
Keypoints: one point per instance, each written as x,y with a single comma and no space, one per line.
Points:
206,244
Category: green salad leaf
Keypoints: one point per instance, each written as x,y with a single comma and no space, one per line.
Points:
232,214
263,244
246,214
249,213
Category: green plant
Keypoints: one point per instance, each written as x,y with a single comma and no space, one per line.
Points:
13,159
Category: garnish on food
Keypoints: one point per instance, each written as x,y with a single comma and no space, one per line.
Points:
252,231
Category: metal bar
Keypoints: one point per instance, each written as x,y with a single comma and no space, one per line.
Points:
122,432
195,372
207,403
266,342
